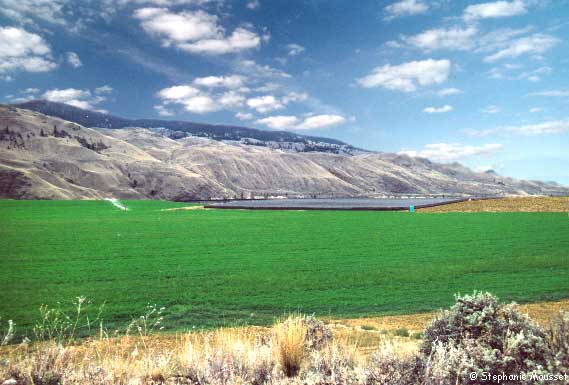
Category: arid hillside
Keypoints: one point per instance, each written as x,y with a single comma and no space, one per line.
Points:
49,158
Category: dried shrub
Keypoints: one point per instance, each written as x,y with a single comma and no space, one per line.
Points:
479,334
558,339
289,341
318,335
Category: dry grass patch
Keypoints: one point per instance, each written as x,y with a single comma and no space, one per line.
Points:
518,204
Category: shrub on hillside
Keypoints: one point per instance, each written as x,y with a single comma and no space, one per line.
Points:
318,335
480,335
558,338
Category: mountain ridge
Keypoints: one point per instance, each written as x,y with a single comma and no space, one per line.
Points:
44,157
177,129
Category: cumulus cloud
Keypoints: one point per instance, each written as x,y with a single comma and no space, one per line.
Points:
24,11
191,98
291,122
265,103
438,110
456,38
214,93
495,9
535,44
295,49
280,122
195,31
163,111
405,8
23,51
106,89
450,152
504,43
253,4
251,68
320,121
73,59
449,91
407,77
231,99
244,116
81,98
233,81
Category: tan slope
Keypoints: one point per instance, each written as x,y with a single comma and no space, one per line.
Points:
44,157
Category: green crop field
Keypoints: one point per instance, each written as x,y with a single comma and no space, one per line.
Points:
222,267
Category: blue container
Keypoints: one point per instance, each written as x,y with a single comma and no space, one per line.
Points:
411,209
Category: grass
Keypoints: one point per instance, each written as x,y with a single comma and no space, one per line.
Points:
227,267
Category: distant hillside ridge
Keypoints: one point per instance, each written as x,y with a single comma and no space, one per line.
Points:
44,157
176,129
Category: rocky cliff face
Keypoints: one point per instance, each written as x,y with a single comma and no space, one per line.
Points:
50,158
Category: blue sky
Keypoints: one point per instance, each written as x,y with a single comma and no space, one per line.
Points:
482,83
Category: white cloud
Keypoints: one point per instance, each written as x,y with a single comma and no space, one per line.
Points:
177,27
280,122
106,89
450,152
264,104
249,67
241,39
294,97
438,110
534,110
409,76
163,111
191,98
549,127
195,31
405,8
551,93
177,93
449,91
244,116
295,49
231,99
233,81
253,4
74,97
491,110
24,11
73,59
291,122
495,9
320,121
452,39
23,51
267,103
535,44
200,104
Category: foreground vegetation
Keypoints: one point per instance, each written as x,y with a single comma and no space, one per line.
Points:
228,267
475,341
